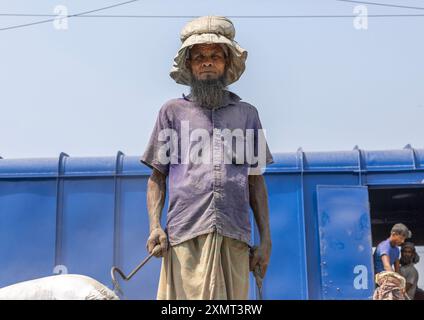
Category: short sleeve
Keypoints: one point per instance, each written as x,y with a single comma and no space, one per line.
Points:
154,154
260,146
384,249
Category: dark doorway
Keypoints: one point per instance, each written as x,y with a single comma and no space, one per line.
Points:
389,206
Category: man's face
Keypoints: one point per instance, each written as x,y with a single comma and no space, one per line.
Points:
407,254
207,61
398,239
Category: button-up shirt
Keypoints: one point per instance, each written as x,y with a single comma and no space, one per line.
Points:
212,194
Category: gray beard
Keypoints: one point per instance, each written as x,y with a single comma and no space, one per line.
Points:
208,93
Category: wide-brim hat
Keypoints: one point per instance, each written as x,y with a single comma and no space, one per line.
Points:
209,29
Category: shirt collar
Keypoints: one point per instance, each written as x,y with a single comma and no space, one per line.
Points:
230,98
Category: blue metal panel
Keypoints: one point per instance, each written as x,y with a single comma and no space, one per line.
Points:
311,180
27,229
328,162
134,234
90,212
88,223
395,178
334,161
389,160
345,242
286,276
28,168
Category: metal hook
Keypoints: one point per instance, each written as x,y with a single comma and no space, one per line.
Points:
114,270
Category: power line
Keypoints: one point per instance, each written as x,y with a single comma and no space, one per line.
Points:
86,14
383,4
196,16
68,16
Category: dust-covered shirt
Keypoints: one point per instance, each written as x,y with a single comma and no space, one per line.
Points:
385,248
208,185
410,273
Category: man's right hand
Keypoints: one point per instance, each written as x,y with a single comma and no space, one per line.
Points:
157,237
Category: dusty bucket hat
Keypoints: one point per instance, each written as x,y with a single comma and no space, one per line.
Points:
209,29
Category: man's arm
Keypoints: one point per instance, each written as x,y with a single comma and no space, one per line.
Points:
386,263
259,203
397,265
156,193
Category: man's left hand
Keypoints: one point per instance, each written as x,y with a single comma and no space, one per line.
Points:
260,258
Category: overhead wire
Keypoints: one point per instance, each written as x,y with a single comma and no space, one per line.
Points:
86,14
67,16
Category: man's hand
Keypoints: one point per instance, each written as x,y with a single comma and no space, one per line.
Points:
158,238
258,197
260,258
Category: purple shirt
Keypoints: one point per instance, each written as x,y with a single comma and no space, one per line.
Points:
385,248
206,197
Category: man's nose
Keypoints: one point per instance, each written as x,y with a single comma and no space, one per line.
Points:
207,64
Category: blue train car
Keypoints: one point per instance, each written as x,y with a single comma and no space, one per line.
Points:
327,212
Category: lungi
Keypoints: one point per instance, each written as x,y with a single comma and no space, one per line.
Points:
208,267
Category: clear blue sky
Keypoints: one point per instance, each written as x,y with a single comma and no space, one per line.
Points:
321,84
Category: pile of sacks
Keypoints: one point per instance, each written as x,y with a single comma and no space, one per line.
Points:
391,286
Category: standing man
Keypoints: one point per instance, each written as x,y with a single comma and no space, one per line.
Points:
213,182
386,255
408,258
